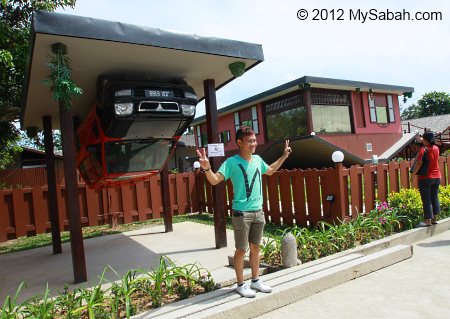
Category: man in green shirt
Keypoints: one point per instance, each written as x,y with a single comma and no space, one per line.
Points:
245,171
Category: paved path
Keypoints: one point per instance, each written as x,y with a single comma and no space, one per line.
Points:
414,289
188,243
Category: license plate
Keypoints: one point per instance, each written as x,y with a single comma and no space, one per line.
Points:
159,93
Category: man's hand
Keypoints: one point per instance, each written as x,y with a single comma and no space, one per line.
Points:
287,149
204,161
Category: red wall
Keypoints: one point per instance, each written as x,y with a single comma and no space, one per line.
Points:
395,127
356,144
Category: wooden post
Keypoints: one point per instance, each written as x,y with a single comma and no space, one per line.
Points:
51,183
339,209
167,209
213,137
70,173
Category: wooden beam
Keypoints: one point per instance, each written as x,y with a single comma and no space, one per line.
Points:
213,137
70,174
167,207
51,182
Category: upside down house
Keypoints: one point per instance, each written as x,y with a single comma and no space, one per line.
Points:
319,116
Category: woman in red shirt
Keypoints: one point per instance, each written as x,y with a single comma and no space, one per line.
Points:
429,183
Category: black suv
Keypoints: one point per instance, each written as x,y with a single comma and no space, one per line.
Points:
137,107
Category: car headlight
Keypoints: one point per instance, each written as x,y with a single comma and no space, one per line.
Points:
123,93
123,108
190,95
188,110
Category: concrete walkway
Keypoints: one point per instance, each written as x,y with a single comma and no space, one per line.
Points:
416,288
188,243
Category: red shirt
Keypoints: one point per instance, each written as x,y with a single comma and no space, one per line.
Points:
433,157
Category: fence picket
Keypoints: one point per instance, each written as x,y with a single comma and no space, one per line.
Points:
298,190
313,196
274,199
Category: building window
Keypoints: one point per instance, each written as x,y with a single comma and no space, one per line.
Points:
237,122
381,109
247,117
391,109
199,136
224,136
286,124
331,118
285,117
369,147
373,114
202,139
255,120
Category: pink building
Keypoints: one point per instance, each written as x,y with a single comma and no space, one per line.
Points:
319,116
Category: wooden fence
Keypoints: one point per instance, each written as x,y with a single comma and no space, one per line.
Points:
296,197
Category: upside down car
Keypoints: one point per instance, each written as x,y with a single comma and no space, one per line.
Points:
132,129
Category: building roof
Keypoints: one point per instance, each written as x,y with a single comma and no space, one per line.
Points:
309,151
437,123
98,46
315,82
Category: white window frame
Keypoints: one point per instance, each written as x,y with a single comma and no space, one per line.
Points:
237,122
199,136
391,112
255,120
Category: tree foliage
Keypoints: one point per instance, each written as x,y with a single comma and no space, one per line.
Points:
432,103
15,22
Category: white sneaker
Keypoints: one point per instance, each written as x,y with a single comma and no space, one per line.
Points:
245,291
261,286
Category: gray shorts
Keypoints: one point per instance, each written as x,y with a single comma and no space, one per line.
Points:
248,228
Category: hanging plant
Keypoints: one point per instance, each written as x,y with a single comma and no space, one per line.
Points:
59,79
237,68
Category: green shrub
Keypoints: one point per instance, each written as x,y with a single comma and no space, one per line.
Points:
408,205
444,198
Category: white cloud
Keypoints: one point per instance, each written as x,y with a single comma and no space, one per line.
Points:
409,53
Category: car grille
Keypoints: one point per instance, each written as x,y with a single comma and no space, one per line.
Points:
148,106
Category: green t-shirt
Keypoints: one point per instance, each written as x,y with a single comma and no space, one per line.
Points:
246,178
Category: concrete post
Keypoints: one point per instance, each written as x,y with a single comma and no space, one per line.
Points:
289,251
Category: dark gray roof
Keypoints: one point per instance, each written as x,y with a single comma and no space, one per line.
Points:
314,82
98,46
437,123
90,28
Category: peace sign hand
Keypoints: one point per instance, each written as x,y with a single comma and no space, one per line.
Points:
287,149
204,161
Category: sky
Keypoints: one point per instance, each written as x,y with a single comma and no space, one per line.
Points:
338,43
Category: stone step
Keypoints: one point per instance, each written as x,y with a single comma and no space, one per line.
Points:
289,285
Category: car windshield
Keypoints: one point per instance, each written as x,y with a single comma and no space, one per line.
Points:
137,155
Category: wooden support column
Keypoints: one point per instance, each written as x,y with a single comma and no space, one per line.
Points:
340,207
51,183
213,137
70,173
165,193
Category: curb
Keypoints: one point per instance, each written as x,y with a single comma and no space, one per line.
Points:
293,284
